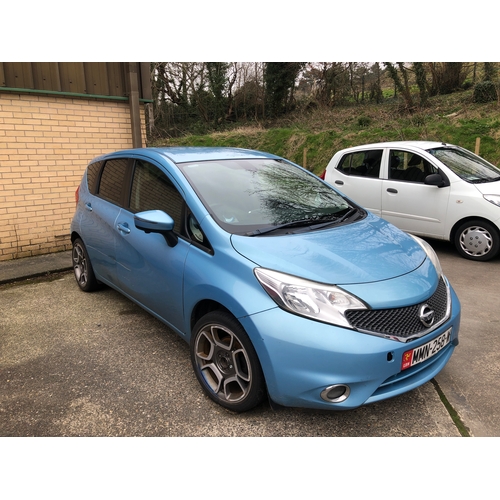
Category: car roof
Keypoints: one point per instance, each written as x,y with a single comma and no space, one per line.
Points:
423,145
184,154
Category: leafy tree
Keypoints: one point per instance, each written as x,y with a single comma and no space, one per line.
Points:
403,86
279,81
420,76
220,85
375,83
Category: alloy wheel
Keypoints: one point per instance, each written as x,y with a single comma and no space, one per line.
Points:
80,265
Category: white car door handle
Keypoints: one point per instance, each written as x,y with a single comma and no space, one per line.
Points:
392,190
340,183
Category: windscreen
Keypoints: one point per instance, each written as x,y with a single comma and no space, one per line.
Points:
245,195
468,166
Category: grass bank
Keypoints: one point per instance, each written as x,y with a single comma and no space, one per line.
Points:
311,138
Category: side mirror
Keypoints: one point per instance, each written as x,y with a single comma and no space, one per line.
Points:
435,180
156,221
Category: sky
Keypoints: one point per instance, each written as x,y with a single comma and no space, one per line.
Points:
261,30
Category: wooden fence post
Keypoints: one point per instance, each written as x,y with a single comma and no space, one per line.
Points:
478,145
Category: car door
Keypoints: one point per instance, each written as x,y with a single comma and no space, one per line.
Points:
409,203
149,270
357,176
102,206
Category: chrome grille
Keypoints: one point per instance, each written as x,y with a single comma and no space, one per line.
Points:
403,322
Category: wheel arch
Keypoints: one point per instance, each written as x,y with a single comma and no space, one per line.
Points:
74,235
204,307
457,224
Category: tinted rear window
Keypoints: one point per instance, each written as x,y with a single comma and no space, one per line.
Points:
92,175
113,180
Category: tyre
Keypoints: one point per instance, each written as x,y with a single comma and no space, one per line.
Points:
82,268
477,240
225,362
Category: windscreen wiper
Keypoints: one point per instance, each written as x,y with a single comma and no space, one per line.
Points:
483,180
295,223
311,222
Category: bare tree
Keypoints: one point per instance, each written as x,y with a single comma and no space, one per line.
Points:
249,91
329,81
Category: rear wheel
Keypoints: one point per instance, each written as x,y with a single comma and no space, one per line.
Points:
82,268
225,362
477,240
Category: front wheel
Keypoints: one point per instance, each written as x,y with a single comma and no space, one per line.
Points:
477,240
225,362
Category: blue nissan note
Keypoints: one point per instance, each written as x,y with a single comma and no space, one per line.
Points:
283,287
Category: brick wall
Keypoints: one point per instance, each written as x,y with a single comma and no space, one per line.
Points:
45,145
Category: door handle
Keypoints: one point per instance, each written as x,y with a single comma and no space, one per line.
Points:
123,228
88,206
392,190
340,183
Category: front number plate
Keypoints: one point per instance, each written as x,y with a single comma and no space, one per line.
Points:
426,351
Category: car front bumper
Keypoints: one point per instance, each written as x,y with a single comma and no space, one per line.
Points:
301,358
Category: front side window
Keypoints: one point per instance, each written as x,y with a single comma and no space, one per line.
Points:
362,163
409,167
153,190
253,194
113,180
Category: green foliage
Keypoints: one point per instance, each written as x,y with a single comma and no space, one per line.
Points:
421,79
218,83
317,135
468,84
364,121
204,97
401,82
485,92
279,80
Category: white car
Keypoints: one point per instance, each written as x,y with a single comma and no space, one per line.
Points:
429,189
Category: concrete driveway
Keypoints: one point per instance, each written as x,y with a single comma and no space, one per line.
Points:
76,364
471,380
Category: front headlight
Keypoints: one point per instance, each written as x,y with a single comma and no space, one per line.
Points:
319,301
492,198
430,253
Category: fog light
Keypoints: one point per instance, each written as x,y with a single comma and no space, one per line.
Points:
335,393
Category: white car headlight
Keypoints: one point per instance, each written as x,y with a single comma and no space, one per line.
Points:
430,253
492,198
319,301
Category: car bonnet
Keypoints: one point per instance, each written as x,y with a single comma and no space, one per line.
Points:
362,252
488,187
